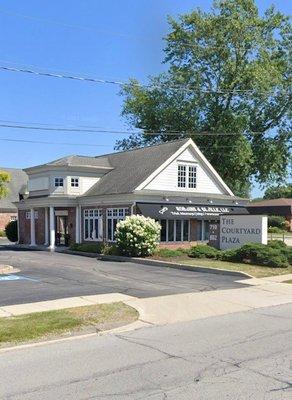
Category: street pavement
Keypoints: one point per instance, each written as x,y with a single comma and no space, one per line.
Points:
47,276
239,356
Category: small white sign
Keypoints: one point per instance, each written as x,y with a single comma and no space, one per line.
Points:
236,230
61,213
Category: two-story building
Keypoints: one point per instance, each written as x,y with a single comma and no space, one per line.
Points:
81,199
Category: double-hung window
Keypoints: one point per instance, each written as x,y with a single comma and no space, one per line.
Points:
186,176
192,182
93,224
113,216
181,176
174,230
59,182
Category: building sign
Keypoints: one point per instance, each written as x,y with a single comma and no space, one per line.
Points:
61,213
181,211
237,230
214,234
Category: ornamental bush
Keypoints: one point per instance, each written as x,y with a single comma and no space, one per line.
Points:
277,221
203,251
11,231
137,236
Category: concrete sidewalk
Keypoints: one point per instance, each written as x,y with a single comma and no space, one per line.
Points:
264,292
59,304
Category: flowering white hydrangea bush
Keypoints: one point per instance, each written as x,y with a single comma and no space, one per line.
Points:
137,236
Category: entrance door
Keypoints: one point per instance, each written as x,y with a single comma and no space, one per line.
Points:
61,230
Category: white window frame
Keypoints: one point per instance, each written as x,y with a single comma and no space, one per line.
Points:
190,173
174,231
74,182
114,214
93,214
58,180
181,175
36,215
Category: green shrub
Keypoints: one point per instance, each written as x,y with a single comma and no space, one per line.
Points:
276,221
203,251
278,244
275,229
229,255
287,251
260,254
87,247
168,253
11,231
111,250
137,236
2,233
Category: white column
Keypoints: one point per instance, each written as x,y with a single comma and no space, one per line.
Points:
32,227
46,227
52,228
77,227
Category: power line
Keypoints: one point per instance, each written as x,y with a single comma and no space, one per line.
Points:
33,126
92,145
54,143
124,84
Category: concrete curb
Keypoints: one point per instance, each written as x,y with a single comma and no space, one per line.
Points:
143,261
159,263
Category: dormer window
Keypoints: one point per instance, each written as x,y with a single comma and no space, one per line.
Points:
74,182
186,176
59,182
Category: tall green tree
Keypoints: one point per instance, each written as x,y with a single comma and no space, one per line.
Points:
228,72
276,192
4,178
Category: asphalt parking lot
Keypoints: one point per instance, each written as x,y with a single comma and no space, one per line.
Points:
47,276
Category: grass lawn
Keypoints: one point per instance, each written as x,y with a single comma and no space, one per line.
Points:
254,270
35,326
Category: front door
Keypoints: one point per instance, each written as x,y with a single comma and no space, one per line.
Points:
61,230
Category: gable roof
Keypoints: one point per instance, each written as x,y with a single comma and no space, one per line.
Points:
132,167
17,184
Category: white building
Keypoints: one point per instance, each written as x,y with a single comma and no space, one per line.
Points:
81,199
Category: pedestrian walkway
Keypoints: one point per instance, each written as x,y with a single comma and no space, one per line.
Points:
59,304
264,292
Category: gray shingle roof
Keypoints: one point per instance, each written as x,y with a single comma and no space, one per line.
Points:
18,182
130,168
81,161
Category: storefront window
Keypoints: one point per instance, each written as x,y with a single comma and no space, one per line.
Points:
113,216
174,230
93,224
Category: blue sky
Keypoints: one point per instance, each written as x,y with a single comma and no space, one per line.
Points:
113,39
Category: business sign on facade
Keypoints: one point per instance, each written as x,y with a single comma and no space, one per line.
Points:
181,211
237,230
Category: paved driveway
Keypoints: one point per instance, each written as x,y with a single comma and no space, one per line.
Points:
47,276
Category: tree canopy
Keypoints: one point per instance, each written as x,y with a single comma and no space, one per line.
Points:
227,87
4,178
277,192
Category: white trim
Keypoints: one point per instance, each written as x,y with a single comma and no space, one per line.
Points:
202,158
46,226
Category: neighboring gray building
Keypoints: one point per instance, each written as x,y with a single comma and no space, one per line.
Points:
17,184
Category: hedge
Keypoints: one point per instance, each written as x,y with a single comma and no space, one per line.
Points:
275,254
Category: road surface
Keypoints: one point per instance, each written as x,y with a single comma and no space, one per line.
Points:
238,356
47,276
